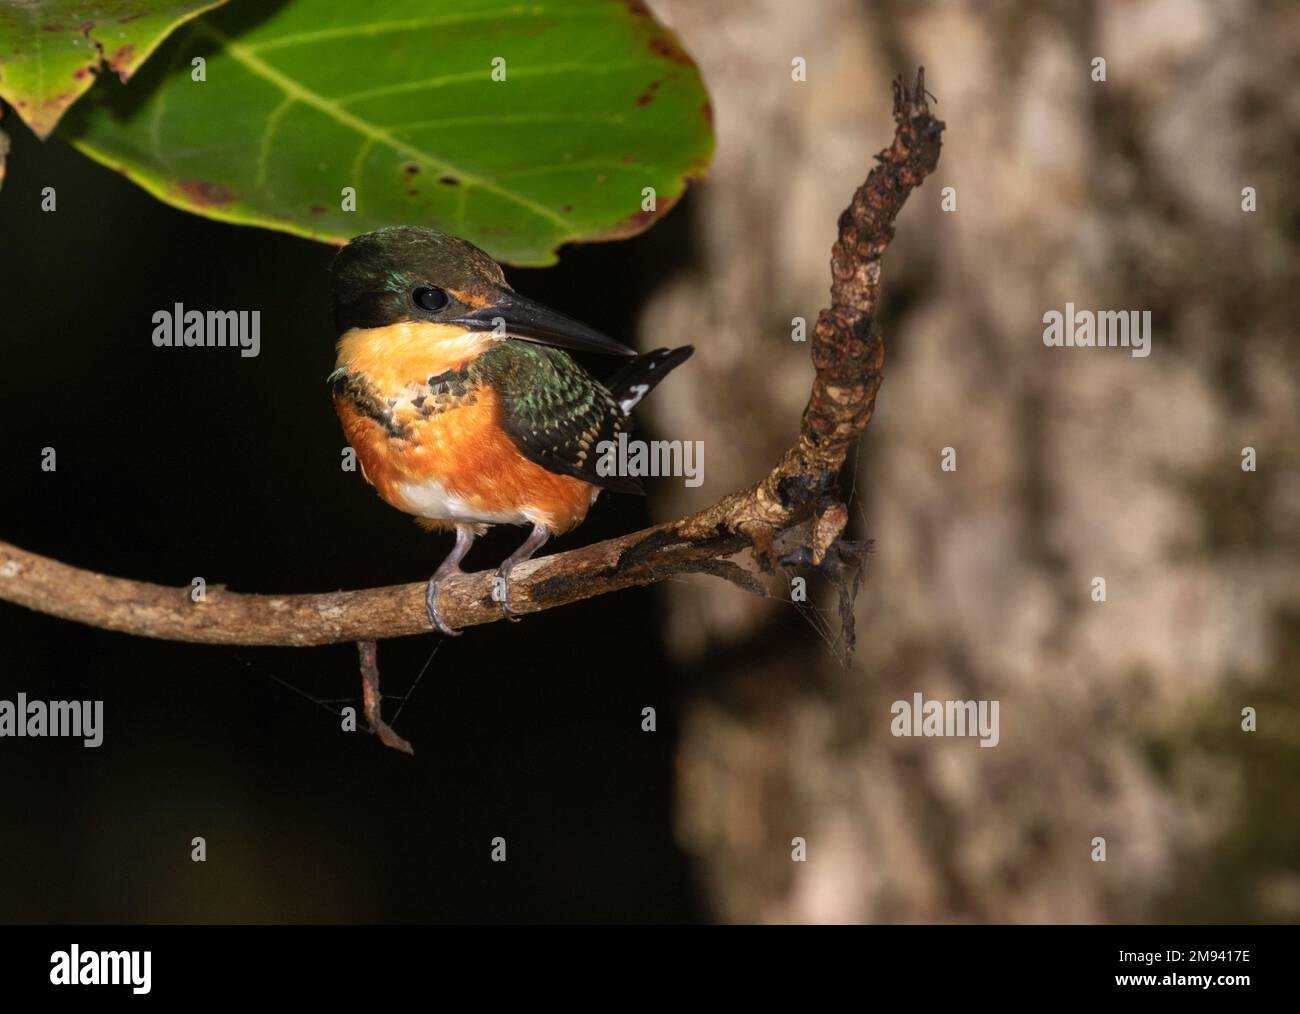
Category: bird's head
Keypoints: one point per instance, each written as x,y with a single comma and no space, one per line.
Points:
413,274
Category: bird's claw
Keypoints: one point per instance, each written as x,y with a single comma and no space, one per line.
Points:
501,590
431,607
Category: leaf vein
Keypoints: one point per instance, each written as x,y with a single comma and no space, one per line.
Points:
268,132
484,74
331,109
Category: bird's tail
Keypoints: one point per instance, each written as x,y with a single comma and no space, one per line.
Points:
639,377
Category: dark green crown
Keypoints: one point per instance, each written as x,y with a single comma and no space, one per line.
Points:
374,275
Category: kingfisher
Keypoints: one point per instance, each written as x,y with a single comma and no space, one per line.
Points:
463,407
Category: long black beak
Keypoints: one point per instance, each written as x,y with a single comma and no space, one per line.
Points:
520,317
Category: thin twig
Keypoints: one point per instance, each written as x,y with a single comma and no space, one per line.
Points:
369,652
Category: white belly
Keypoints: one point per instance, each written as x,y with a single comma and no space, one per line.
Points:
431,500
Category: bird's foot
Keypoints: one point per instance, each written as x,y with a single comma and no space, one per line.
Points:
501,592
501,580
448,568
431,601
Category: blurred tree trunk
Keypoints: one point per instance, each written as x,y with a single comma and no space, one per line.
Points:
1118,719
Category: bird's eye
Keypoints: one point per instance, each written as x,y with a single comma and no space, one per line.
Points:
426,297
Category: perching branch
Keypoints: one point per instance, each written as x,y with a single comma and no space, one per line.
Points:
795,507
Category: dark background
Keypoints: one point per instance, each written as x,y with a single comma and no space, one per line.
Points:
173,464
1120,719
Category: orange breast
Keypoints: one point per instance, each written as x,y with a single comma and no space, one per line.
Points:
454,465
460,465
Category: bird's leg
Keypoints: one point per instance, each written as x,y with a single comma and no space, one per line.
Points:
501,583
448,567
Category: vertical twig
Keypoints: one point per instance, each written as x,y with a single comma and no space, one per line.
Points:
369,653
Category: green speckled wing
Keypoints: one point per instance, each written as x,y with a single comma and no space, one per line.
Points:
556,413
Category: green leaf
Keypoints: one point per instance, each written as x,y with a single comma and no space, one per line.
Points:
396,99
50,50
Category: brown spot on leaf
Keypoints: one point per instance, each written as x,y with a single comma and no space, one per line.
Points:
450,181
205,193
317,209
644,99
633,224
119,62
410,168
46,114
641,220
667,46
